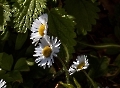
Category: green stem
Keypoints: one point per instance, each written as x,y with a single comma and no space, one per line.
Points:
67,53
101,46
89,79
66,71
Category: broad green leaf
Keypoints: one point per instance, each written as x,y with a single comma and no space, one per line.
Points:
85,13
5,13
99,64
117,61
62,25
6,61
21,65
16,76
25,11
76,83
21,38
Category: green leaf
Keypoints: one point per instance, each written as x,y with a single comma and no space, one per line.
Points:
62,25
85,13
5,13
25,11
21,65
21,38
99,64
6,61
30,62
76,83
16,76
6,77
30,50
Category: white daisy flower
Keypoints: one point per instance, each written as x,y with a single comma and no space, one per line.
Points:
2,83
46,50
81,63
39,28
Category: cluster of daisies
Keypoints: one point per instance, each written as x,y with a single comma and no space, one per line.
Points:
47,47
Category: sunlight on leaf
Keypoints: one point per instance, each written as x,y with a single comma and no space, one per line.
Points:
26,12
5,14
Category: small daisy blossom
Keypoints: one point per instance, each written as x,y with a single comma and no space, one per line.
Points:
81,63
46,50
2,83
39,28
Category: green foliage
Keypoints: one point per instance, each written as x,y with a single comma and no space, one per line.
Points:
62,26
5,14
85,13
6,61
26,11
21,38
74,23
21,65
100,65
16,76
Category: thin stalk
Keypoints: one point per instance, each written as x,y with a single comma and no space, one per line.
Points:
67,53
66,71
94,86
101,46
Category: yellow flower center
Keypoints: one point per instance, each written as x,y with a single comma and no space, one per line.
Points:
81,65
46,51
41,29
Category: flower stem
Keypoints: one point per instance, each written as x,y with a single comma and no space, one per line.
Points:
101,46
65,69
94,86
67,53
